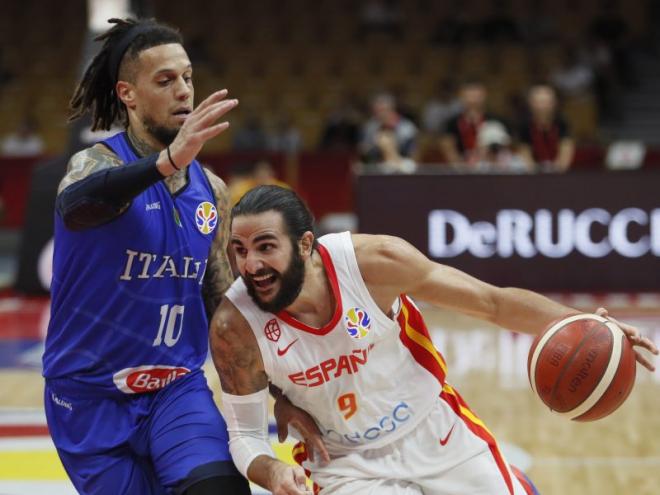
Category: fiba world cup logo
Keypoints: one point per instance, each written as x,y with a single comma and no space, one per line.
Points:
206,217
358,323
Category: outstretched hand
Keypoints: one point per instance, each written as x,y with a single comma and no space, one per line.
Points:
199,127
287,414
636,339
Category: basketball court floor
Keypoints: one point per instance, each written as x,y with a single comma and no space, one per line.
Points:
619,455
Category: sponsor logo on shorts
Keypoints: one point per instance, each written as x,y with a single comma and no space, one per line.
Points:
146,378
61,402
272,330
358,323
206,217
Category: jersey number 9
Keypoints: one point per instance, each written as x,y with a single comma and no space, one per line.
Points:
347,405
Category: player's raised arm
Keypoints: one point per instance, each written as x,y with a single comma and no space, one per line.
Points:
244,383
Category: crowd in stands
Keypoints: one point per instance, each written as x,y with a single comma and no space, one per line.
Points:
395,81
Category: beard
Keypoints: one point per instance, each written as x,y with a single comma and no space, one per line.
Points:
164,135
291,282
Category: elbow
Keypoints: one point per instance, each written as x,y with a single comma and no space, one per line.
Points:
85,215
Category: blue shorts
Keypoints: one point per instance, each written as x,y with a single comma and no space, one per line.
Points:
156,443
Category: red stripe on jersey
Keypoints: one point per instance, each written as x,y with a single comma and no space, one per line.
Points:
524,481
415,336
456,402
299,453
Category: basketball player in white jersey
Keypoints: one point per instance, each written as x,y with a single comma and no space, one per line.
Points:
331,323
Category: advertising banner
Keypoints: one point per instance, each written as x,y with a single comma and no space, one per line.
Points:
578,232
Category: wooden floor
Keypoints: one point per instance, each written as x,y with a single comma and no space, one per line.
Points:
619,455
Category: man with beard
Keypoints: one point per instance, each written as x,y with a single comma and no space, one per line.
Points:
134,274
331,323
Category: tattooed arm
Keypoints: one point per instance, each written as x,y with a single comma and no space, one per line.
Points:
86,162
244,383
99,187
219,275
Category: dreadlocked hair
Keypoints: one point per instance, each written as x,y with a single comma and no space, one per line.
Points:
96,90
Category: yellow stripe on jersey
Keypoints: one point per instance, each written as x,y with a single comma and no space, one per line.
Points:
299,449
422,340
466,411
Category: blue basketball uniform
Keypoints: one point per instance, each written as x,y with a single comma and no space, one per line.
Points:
127,337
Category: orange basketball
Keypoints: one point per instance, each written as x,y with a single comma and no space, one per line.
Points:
582,367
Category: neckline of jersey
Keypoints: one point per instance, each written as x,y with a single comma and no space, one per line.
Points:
173,195
334,284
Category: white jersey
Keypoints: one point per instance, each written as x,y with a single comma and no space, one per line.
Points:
366,378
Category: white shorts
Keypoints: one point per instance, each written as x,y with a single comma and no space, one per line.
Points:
446,454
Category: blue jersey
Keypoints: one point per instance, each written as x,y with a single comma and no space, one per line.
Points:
127,313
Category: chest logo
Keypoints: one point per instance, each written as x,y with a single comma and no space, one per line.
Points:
206,217
282,352
358,323
272,330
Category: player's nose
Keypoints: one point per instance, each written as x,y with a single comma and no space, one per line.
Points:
182,89
253,263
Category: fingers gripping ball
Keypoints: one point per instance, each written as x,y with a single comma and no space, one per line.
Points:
582,366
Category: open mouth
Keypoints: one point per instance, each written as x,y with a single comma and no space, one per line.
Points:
264,283
183,113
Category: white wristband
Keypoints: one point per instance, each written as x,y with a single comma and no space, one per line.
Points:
247,424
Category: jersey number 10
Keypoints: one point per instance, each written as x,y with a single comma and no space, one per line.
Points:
168,319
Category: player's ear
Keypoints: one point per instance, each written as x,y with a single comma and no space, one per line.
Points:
306,244
126,93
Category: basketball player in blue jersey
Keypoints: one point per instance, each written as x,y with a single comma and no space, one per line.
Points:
140,257
331,323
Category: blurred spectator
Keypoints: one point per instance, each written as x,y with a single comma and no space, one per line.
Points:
607,83
248,176
386,116
380,16
392,162
442,106
285,136
25,141
251,136
575,76
342,128
610,28
494,153
459,141
544,135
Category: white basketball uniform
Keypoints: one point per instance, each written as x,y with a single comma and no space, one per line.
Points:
376,387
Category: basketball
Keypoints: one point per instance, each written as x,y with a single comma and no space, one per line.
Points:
582,367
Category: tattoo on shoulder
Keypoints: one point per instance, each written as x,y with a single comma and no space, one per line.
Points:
88,161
